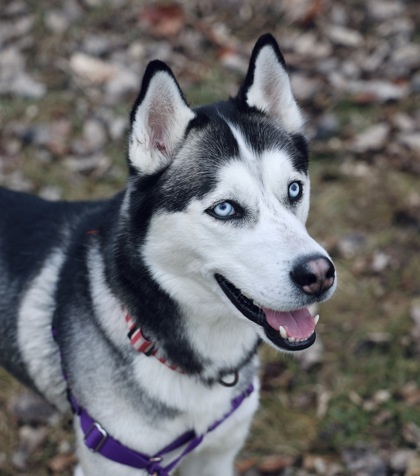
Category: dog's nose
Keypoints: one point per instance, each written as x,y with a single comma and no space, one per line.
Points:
314,275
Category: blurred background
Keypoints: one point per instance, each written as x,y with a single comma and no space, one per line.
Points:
69,73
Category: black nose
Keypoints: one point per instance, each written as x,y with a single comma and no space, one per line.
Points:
314,274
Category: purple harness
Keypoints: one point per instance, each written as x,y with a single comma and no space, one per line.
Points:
99,441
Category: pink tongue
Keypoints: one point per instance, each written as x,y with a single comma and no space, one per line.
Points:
299,324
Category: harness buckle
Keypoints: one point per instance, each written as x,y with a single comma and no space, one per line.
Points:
154,469
95,437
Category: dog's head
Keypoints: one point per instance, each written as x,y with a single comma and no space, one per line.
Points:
222,192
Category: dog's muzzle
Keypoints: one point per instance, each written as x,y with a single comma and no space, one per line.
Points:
288,330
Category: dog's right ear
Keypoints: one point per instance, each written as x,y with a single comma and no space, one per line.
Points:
159,119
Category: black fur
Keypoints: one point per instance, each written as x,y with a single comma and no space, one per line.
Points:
29,229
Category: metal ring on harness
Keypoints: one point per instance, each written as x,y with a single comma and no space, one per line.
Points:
234,381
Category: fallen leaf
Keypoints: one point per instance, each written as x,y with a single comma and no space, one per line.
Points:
400,459
373,138
411,393
92,69
163,20
30,439
60,463
29,407
314,10
245,465
413,467
315,464
271,464
411,433
362,461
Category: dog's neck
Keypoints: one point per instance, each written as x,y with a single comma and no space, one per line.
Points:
143,345
205,344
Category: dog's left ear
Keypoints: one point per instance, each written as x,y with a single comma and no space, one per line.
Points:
159,119
267,85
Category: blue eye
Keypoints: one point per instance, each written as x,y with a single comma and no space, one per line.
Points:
295,191
226,210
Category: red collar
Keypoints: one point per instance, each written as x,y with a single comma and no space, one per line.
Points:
145,346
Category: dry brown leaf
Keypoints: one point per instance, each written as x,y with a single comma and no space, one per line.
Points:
61,463
271,464
315,9
411,393
245,465
164,20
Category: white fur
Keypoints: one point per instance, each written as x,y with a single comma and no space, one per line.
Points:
271,91
39,351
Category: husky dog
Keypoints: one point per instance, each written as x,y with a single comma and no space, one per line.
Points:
159,297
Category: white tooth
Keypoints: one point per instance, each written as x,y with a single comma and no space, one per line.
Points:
292,339
283,332
316,319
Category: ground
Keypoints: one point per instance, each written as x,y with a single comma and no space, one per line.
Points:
69,72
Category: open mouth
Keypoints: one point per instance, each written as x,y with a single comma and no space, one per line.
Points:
290,330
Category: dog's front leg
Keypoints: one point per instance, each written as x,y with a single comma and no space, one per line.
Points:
209,464
217,455
78,471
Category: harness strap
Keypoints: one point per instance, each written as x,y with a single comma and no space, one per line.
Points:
97,439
